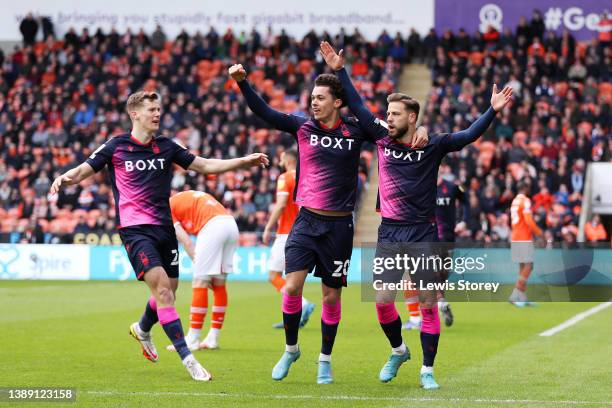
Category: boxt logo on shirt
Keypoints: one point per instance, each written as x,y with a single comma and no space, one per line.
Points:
144,165
333,142
410,156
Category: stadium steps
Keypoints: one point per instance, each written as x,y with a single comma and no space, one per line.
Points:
416,82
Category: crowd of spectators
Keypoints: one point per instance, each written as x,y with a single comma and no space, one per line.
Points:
559,121
62,98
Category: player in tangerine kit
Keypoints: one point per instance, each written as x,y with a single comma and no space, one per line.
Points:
200,214
523,229
140,166
321,239
285,211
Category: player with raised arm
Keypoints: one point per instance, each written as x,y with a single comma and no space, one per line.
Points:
523,230
322,236
285,211
200,214
140,167
407,191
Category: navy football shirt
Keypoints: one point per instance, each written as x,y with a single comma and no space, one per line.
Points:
140,175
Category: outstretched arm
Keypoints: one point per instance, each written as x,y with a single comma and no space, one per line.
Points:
457,141
279,120
72,176
375,127
372,125
216,166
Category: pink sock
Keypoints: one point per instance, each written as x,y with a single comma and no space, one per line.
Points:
167,314
331,313
431,320
387,312
292,304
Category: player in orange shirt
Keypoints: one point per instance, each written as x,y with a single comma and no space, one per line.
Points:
523,228
198,213
285,211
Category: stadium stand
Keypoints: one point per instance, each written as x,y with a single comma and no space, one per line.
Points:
60,99
559,122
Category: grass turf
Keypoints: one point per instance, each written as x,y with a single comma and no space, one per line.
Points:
75,334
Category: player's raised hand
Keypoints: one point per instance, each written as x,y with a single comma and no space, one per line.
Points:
421,138
256,159
57,183
334,60
237,72
499,100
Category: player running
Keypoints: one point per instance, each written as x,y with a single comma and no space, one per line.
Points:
322,236
285,211
200,214
447,196
140,168
407,202
523,228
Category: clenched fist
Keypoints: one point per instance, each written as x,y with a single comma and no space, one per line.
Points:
237,72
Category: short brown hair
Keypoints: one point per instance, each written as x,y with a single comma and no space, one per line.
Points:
334,85
137,99
409,103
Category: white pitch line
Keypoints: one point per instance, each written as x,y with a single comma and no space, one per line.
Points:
572,321
344,397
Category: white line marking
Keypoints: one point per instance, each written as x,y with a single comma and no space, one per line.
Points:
572,321
342,397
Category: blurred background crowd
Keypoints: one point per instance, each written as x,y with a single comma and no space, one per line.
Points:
63,97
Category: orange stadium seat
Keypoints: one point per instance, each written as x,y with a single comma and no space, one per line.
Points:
605,92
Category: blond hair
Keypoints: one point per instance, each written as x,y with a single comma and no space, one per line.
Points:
137,99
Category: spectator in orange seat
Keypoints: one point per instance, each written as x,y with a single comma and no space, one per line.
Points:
543,199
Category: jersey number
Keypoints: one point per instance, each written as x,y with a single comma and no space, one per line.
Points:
175,256
514,215
341,268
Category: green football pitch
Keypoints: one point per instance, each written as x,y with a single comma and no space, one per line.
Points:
75,335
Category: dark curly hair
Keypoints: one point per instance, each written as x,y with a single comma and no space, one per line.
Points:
334,85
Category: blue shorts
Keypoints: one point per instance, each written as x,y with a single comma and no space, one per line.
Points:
322,243
149,246
397,239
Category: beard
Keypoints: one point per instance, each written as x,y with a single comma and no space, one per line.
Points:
399,132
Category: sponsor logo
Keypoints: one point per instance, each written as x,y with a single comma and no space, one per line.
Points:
8,256
331,142
490,15
444,201
410,156
142,165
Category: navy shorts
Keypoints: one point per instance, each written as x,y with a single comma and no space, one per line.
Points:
322,243
149,246
447,237
396,239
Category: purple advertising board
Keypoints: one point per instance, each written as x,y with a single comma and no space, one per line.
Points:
580,17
